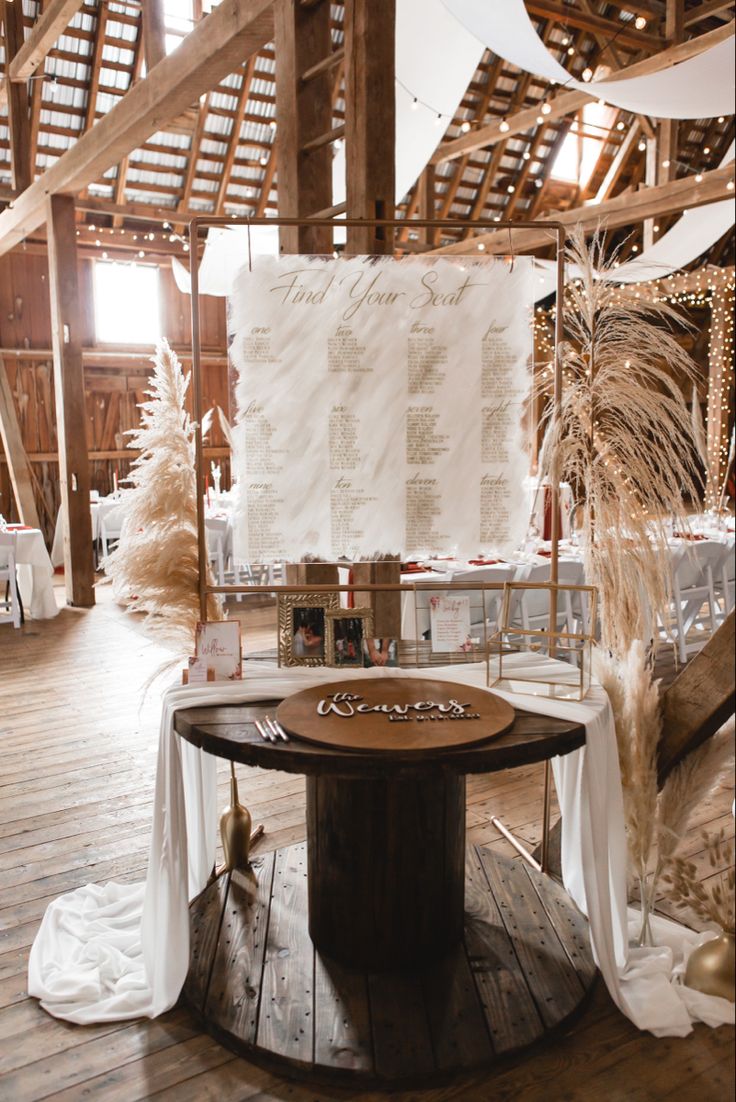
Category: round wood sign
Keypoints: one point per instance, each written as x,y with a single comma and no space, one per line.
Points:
395,714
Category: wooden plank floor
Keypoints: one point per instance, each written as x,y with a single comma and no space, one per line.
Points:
76,788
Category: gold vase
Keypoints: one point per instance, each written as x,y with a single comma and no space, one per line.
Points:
235,828
710,967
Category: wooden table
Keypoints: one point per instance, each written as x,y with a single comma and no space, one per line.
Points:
497,970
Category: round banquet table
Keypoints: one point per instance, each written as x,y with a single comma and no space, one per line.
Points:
384,951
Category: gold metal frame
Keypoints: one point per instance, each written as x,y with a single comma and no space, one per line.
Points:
287,603
331,618
196,225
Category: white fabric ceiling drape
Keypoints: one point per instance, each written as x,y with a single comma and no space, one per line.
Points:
700,88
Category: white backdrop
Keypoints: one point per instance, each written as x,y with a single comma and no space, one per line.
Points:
380,406
699,88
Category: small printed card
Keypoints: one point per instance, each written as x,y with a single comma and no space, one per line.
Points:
198,672
218,647
450,624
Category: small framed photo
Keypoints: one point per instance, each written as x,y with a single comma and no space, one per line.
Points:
348,629
380,652
303,628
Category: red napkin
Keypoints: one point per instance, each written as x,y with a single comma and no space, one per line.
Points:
483,562
19,528
412,568
692,536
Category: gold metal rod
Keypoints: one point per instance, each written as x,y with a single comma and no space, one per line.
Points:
547,807
198,442
521,850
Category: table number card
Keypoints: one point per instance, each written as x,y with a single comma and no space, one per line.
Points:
449,621
218,648
380,405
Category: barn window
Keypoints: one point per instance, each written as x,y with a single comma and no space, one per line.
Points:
581,150
126,303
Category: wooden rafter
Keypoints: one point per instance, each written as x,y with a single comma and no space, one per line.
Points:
248,75
213,49
19,120
94,80
567,103
574,17
624,210
54,20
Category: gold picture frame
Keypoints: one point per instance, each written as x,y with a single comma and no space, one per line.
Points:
302,620
344,649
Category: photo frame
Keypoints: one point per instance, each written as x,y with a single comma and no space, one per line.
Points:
347,630
303,624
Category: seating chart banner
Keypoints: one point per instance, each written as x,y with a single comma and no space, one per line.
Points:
380,404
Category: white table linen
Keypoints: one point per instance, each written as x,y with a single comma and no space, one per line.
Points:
35,573
122,951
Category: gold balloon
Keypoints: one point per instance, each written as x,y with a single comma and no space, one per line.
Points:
710,968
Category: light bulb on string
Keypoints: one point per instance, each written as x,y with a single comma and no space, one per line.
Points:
465,127
503,126
415,104
640,23
546,108
587,74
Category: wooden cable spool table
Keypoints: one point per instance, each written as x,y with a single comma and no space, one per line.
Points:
384,950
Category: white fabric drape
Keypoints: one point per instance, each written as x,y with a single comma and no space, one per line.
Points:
122,951
700,88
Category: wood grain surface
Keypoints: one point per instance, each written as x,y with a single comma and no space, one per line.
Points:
411,715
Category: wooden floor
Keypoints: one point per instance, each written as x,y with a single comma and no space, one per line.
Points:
76,785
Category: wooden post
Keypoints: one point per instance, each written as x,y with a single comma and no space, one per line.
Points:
370,120
71,412
19,119
21,476
304,113
153,27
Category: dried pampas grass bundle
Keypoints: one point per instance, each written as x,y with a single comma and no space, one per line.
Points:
637,714
623,439
712,901
155,567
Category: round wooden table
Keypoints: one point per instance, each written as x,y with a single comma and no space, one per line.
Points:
495,959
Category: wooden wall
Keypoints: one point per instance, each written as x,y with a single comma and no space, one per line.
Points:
115,376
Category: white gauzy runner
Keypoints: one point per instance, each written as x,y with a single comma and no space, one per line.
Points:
106,953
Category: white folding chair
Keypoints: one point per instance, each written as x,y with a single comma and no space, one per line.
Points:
10,608
726,583
217,530
693,591
111,518
530,608
488,601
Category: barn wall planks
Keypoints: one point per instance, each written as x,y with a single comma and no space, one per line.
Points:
115,378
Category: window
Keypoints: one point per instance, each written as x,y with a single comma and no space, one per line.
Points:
179,22
580,152
126,303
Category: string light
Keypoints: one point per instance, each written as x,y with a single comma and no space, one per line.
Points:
465,127
640,23
546,108
587,74
503,126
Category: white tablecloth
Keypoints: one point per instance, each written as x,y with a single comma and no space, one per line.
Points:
122,951
35,574
57,547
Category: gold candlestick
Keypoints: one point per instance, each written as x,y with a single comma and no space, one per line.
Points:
235,829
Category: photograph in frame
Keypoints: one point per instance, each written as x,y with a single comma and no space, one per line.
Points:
303,628
347,631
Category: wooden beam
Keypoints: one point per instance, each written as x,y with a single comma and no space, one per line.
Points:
94,80
248,75
618,163
706,11
48,27
153,26
674,24
573,17
234,31
624,210
19,119
71,410
370,109
567,103
21,476
304,114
